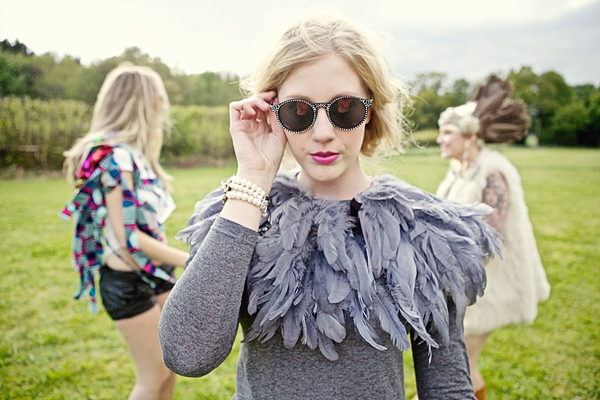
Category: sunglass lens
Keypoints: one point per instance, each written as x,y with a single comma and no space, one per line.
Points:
347,113
296,115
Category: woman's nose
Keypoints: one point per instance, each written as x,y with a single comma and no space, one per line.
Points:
438,139
322,129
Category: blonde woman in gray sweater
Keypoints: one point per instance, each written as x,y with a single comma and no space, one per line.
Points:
330,272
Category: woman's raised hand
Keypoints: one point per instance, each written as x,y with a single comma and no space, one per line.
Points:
258,146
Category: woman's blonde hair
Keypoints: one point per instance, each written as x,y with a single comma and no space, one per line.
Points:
316,37
131,108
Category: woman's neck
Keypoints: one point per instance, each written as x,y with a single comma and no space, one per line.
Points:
471,155
344,188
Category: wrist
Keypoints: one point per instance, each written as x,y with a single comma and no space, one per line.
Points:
238,188
262,179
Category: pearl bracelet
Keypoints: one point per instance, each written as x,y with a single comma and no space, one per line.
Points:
242,189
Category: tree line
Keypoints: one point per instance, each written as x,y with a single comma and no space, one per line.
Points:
46,77
561,114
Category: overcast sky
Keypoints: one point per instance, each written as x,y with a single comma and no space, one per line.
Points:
464,39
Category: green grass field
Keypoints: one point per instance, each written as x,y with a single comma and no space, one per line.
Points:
51,347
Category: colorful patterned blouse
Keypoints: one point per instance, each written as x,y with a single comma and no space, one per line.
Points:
100,174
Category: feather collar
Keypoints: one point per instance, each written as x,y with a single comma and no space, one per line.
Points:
311,272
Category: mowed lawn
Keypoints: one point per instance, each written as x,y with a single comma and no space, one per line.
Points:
51,347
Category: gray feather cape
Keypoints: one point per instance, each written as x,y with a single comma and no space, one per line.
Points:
314,275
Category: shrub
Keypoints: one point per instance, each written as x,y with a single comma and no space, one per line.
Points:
34,133
568,123
198,133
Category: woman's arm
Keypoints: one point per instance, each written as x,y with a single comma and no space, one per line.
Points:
162,252
496,195
200,318
447,375
154,249
199,322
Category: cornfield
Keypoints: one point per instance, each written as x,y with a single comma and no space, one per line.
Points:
34,133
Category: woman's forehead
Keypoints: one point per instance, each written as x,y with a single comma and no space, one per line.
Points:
320,80
449,128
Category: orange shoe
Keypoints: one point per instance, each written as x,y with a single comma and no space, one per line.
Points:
480,394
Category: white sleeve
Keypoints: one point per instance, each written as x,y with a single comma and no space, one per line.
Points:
123,159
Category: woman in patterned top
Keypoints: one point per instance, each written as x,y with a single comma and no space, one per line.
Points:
121,203
477,174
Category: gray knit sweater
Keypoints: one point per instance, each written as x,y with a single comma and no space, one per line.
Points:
199,324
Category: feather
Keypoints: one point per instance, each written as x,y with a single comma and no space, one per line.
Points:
334,224
309,332
282,299
502,120
255,296
370,229
323,273
289,219
327,245
291,328
330,327
327,348
365,281
286,269
338,287
283,263
391,233
362,326
388,318
268,250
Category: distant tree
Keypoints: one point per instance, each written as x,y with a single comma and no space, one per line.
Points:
11,80
431,96
428,105
90,80
461,91
584,93
428,80
18,76
17,48
208,88
544,95
591,137
45,86
525,84
554,93
569,124
68,71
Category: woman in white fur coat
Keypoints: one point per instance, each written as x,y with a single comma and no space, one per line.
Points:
518,282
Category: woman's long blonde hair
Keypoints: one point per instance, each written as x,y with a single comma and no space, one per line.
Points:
316,37
131,108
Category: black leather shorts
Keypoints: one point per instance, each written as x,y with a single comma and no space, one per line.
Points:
125,294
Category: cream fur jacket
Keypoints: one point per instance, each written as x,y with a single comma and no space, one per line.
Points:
517,283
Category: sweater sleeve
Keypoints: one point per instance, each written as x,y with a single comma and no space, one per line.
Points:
199,322
446,376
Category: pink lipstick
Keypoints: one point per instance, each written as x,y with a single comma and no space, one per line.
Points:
326,157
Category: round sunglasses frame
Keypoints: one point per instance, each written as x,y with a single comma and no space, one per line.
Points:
366,102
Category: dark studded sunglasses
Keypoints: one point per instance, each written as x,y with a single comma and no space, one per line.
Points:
345,113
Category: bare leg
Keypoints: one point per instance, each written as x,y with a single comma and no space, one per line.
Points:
154,380
474,347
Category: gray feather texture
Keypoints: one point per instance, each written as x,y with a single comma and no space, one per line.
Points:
312,278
